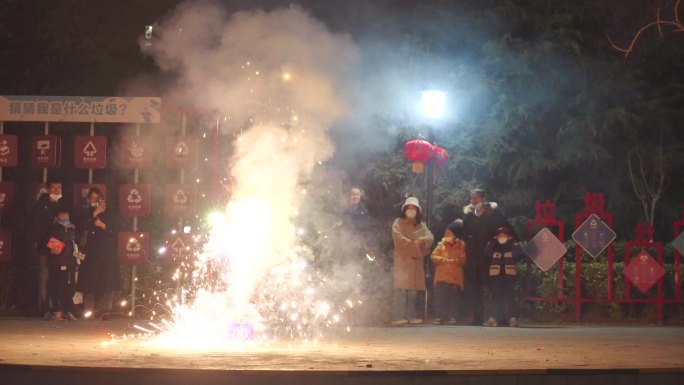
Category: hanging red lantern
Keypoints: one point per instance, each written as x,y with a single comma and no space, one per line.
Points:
441,157
419,152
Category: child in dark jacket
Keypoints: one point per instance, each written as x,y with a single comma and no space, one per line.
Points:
503,253
61,265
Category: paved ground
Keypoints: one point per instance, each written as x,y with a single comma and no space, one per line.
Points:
451,348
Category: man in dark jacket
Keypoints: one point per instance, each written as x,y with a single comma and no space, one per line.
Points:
98,276
42,217
481,220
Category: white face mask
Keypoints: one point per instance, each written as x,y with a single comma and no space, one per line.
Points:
449,239
55,197
411,213
502,240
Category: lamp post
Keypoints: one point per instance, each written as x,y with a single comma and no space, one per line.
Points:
432,105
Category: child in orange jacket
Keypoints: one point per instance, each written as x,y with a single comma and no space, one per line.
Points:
449,258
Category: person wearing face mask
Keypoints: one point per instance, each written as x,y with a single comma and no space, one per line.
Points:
449,258
503,252
58,247
98,275
480,222
412,242
42,216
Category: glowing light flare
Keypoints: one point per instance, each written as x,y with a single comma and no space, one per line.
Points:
432,103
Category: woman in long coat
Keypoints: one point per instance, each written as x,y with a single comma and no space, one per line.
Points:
412,242
98,276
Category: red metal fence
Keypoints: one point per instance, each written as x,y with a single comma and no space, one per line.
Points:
641,268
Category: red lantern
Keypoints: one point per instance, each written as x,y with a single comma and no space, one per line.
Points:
441,157
419,152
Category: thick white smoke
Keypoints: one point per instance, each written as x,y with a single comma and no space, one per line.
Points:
276,78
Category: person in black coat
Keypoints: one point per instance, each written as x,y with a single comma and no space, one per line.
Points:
482,219
41,218
99,277
58,247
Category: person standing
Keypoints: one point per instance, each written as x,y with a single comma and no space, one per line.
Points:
412,242
61,265
503,252
449,258
42,217
482,219
98,276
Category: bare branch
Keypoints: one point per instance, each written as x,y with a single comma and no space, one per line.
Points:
676,23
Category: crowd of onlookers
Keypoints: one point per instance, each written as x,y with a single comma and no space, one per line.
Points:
474,264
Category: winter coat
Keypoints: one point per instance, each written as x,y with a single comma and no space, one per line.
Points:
502,258
66,235
408,257
99,272
42,217
477,231
449,259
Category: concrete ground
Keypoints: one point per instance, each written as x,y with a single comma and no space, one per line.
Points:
27,345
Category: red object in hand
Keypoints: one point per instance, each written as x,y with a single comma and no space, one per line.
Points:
55,245
419,152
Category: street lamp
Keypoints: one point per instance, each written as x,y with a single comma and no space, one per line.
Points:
432,106
432,103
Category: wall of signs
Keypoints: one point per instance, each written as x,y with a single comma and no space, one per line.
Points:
92,152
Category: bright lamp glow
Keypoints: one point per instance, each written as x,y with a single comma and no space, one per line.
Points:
432,103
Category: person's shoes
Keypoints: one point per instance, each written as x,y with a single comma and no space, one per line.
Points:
416,321
71,317
452,322
512,322
399,322
437,321
57,316
490,322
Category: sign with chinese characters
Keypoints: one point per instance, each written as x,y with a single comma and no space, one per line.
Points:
545,249
134,248
90,151
134,200
181,152
46,151
5,245
594,235
179,200
643,271
81,194
135,152
178,247
9,149
80,109
6,196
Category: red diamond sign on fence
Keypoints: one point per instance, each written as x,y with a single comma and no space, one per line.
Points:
643,271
